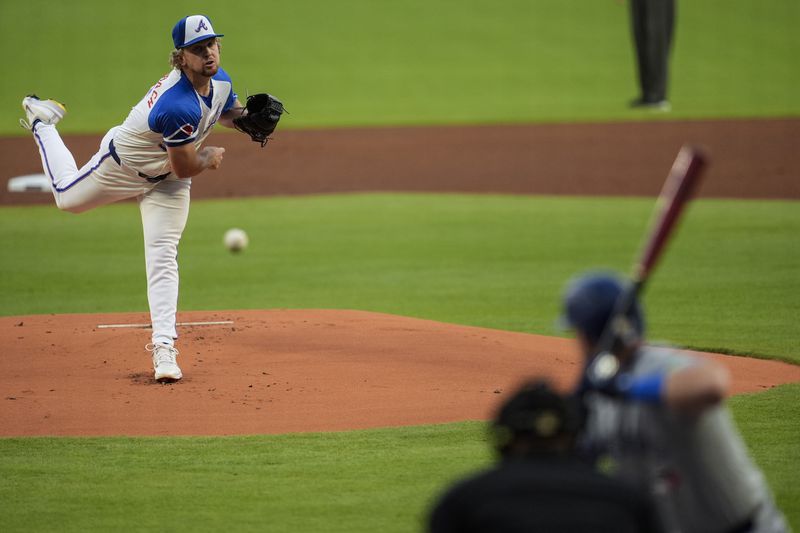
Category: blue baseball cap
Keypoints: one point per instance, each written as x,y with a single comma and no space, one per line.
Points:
589,302
192,29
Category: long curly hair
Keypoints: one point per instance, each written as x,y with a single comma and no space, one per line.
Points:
176,56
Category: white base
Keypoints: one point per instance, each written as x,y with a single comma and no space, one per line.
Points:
29,183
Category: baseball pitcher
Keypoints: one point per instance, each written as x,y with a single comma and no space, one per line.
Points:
152,156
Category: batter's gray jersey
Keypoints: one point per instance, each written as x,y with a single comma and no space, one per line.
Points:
696,467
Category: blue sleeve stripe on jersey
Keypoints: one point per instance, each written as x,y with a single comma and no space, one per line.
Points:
179,140
179,143
186,132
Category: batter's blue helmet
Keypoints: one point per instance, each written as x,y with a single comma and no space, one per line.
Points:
589,301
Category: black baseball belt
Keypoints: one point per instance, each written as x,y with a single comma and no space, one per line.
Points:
151,179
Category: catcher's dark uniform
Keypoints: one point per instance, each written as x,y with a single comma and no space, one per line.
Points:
653,23
546,493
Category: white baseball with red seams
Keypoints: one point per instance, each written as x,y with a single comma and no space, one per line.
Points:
236,240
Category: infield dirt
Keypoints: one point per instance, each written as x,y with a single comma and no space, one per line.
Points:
748,159
279,371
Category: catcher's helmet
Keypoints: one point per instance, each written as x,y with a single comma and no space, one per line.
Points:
537,414
589,301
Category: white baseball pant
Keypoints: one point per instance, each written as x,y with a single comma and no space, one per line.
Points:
164,208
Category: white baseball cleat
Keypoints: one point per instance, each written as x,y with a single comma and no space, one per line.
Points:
44,111
164,362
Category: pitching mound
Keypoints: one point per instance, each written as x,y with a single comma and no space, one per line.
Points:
278,371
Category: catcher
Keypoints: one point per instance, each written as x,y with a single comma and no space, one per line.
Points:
540,482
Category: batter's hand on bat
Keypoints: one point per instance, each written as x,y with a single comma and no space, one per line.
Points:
604,375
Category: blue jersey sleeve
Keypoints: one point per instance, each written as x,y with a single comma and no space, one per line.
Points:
177,119
221,75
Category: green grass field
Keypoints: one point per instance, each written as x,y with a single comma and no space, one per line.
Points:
376,480
491,261
362,62
728,281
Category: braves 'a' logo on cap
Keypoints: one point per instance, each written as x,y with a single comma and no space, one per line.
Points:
188,129
201,26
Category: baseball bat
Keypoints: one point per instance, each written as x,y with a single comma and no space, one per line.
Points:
675,194
677,190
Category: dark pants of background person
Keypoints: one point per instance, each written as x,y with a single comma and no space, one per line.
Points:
653,24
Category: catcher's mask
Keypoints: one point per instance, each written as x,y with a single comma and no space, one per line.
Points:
589,302
538,416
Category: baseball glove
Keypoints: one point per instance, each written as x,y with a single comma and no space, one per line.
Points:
263,113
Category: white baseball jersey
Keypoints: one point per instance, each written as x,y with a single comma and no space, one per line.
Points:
172,113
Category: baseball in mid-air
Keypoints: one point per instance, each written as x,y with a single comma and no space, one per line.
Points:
236,240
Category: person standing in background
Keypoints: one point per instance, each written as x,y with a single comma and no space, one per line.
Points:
653,24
